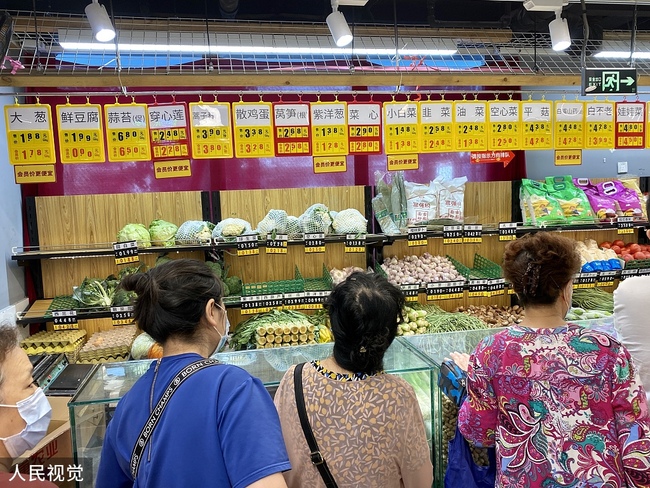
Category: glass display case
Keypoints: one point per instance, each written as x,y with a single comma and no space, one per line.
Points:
94,404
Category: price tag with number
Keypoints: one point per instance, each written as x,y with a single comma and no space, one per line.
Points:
355,243
211,130
470,120
537,119
126,252
81,138
452,234
630,125
260,303
436,126
169,131
478,288
122,315
447,290
247,245
507,231
30,135
629,273
417,236
65,319
599,118
127,132
504,126
473,234
314,243
606,278
292,125
314,299
294,301
644,271
411,292
401,128
496,287
253,129
277,245
625,225
569,125
364,125
585,280
329,128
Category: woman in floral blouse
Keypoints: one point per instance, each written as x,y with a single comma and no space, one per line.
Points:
563,405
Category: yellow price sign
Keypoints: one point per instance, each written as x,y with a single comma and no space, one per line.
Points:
169,130
537,120
401,128
30,136
569,125
364,126
172,169
327,164
253,129
81,138
504,125
30,174
211,130
470,120
599,117
436,127
403,162
329,128
568,157
128,132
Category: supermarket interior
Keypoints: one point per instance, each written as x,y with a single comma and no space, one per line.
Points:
289,145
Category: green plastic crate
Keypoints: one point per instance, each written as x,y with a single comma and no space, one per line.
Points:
324,283
275,287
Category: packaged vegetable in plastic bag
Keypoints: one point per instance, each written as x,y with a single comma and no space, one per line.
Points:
231,228
275,222
383,216
193,232
573,201
451,199
633,185
627,202
602,207
316,219
350,221
293,227
421,202
537,205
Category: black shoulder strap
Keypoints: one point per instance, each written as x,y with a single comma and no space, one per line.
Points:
156,414
315,455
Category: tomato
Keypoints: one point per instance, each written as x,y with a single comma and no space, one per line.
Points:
616,249
647,255
606,245
627,257
634,248
639,255
618,243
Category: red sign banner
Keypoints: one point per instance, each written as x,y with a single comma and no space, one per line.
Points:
630,125
481,157
292,129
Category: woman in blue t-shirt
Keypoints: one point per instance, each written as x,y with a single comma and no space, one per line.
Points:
219,428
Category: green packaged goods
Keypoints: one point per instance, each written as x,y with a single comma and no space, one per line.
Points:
537,205
573,201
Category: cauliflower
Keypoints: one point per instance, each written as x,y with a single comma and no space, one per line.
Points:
350,221
231,228
193,232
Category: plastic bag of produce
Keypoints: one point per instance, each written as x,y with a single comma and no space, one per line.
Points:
135,232
293,227
231,228
316,219
162,233
537,205
573,201
383,216
633,185
601,206
421,202
274,222
350,221
193,232
627,202
451,198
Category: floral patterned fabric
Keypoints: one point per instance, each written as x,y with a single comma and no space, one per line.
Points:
564,407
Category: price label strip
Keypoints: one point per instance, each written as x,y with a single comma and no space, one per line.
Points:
364,126
452,234
260,303
417,236
496,287
253,130
599,117
411,292
314,243
30,135
355,243
585,280
122,315
294,301
127,132
436,127
507,231
401,128
277,245
247,245
126,252
569,125
630,125
65,319
473,234
511,290
447,290
504,126
314,299
478,288
329,128
81,137
644,271
625,225
629,273
470,121
292,129
606,278
537,125
211,130
169,131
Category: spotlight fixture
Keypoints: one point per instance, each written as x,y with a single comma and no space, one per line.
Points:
338,26
559,29
100,22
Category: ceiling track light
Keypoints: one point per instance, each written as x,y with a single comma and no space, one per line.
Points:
100,22
559,30
338,26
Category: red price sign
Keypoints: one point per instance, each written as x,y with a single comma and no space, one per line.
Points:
630,125
292,126
364,128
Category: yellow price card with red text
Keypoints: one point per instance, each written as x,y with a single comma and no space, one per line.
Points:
436,127
630,125
470,126
81,137
329,128
30,136
364,126
253,129
569,125
43,173
127,132
537,121
504,125
599,121
169,131
211,130
401,128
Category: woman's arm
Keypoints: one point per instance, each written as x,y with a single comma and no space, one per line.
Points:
274,481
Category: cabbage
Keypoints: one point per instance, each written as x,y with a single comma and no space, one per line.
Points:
135,232
162,233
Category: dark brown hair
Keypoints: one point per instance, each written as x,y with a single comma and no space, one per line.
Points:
364,311
172,297
539,266
8,341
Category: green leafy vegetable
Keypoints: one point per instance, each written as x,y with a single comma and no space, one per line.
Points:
135,232
95,292
162,233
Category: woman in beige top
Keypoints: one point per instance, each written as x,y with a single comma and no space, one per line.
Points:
368,424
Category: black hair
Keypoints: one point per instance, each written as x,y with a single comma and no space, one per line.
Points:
8,341
172,297
365,311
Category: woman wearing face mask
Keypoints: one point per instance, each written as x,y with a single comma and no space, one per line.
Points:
219,427
563,405
24,410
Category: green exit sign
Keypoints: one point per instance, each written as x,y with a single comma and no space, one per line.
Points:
608,81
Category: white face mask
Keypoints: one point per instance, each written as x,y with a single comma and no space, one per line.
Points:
36,412
225,336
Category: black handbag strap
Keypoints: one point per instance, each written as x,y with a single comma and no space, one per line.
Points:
156,414
314,454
